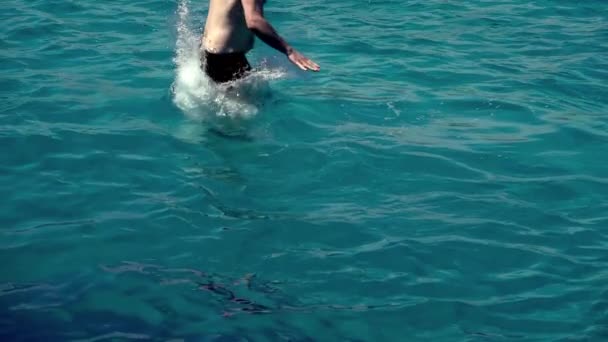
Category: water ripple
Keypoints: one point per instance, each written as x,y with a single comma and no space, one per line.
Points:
441,179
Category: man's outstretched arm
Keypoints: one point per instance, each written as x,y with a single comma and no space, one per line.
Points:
254,16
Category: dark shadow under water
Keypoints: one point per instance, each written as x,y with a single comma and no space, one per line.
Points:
22,320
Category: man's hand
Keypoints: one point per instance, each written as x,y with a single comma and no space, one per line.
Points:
302,62
254,18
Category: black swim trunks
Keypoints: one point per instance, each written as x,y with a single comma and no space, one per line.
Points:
226,67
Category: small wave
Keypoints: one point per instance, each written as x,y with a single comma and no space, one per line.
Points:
199,97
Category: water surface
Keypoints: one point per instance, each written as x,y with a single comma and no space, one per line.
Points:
443,178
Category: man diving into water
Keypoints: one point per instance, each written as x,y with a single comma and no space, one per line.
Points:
229,35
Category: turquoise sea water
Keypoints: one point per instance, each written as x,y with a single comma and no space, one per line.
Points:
443,178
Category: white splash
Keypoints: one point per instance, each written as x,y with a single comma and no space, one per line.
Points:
199,97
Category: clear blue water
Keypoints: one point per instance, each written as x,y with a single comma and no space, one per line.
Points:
443,178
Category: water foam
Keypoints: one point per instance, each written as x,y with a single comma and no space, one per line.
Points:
200,98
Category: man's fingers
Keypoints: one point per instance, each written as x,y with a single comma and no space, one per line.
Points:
312,66
298,64
305,63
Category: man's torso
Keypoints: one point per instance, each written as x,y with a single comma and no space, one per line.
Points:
226,30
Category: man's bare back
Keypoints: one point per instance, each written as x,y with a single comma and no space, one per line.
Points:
229,33
226,29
